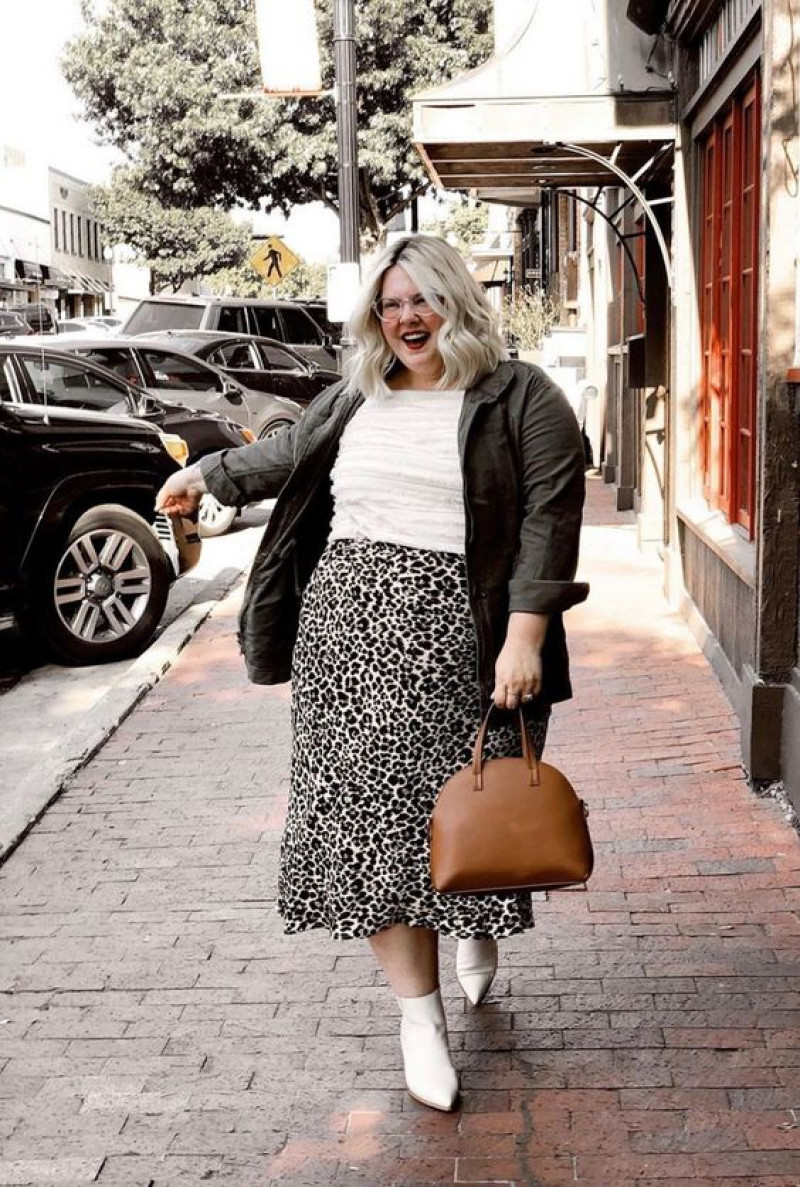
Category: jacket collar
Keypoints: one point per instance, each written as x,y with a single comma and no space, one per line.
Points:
491,386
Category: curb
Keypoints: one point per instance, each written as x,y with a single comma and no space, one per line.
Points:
26,803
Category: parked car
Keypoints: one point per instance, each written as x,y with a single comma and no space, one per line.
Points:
86,563
39,315
171,374
88,325
13,325
288,322
44,375
257,363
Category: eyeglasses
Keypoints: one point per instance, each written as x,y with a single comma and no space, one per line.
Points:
391,308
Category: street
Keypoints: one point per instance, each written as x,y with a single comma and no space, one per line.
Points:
159,1029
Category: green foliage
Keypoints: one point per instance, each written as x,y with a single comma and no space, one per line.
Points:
175,244
152,74
528,318
464,224
307,280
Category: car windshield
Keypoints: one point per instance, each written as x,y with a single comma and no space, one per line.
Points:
164,315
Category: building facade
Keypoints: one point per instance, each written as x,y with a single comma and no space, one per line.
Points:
733,552
51,249
78,249
673,126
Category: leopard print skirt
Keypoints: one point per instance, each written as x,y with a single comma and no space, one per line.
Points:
384,708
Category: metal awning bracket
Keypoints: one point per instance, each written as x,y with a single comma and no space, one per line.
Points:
631,184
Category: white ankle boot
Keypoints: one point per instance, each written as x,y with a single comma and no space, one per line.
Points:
476,965
430,1075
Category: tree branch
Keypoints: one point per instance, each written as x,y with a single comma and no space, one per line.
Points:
421,189
369,207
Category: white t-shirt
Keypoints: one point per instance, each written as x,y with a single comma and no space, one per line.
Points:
397,477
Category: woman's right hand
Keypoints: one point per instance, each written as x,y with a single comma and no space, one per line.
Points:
182,492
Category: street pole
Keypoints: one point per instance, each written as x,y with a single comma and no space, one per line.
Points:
344,48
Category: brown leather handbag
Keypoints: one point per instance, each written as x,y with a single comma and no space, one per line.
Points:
508,824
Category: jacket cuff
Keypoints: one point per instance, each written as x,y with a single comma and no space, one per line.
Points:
545,597
217,481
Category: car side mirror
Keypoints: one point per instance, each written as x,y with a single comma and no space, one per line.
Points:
231,393
148,405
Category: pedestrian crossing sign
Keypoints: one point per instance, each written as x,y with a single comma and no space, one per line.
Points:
273,260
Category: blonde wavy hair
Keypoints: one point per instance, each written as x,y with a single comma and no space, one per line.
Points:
469,342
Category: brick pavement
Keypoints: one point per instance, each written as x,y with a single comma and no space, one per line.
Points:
158,1029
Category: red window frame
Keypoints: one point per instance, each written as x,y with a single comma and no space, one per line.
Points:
728,297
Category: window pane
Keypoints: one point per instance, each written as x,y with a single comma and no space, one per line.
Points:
173,372
266,320
233,318
6,383
70,386
235,354
121,362
299,328
274,357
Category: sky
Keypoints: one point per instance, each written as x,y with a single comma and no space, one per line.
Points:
38,111
39,114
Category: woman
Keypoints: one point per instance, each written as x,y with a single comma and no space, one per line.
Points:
421,550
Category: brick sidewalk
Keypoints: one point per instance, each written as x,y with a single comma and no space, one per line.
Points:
158,1029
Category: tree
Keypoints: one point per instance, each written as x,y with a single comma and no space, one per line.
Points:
152,76
175,244
464,223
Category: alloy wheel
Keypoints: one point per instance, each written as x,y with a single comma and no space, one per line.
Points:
102,585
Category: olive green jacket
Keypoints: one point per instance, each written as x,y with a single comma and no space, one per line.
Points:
523,465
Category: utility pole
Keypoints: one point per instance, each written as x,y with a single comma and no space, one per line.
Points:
344,48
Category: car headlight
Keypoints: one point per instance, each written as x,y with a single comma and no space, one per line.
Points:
176,447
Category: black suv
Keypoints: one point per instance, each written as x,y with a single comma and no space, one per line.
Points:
39,375
86,563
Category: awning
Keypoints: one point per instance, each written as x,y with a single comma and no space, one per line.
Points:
78,284
27,270
55,277
492,272
505,129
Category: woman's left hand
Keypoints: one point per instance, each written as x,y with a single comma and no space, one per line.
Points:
518,671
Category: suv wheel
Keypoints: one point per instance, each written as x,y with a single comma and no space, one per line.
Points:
103,592
215,519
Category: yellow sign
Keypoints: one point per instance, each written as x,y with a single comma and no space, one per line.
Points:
273,260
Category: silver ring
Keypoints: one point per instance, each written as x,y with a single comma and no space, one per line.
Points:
527,697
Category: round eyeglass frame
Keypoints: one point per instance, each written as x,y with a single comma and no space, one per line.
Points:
422,309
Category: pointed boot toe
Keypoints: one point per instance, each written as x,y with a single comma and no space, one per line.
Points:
430,1076
476,965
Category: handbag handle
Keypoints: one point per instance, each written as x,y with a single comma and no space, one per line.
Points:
527,751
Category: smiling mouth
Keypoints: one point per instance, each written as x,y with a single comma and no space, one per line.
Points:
415,340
